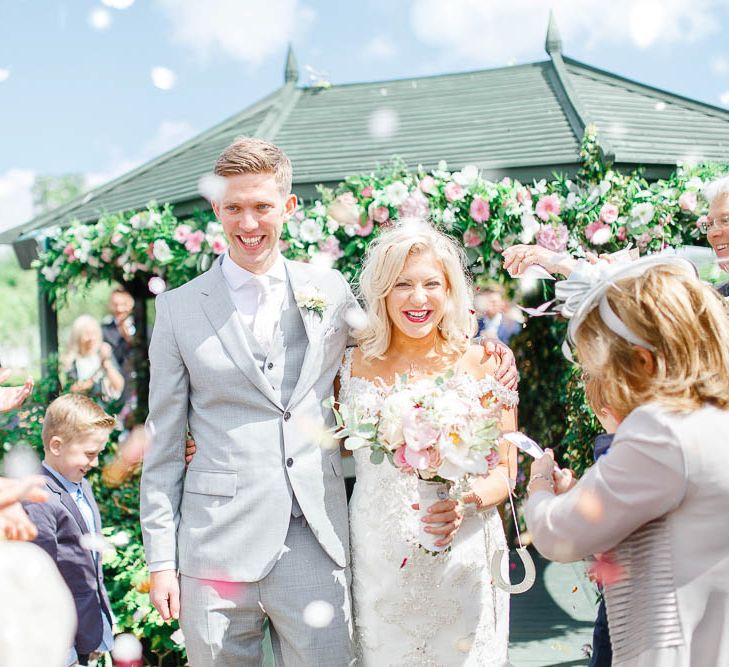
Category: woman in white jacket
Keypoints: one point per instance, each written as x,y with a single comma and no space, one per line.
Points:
655,340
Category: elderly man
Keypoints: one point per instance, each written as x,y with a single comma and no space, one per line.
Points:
716,224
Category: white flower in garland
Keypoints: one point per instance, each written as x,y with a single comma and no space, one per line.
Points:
319,209
396,193
312,300
310,231
467,176
161,251
642,214
292,226
529,227
50,273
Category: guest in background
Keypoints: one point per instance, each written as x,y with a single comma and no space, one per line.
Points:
75,431
89,362
118,329
492,313
716,224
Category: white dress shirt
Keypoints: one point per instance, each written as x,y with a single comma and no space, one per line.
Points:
244,290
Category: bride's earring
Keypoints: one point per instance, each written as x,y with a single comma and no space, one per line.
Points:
530,572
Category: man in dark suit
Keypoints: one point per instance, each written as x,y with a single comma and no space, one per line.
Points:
75,431
493,320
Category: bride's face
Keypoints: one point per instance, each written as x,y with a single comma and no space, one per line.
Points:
416,303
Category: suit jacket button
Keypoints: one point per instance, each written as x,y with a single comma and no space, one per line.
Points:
269,365
286,416
289,462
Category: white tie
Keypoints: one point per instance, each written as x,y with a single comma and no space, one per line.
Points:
263,322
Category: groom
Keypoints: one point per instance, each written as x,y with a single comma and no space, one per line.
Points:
244,355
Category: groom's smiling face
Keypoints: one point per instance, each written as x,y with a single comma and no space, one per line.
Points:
252,211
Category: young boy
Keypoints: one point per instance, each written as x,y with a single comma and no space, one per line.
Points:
75,431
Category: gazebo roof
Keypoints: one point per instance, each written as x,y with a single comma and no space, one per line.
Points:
523,121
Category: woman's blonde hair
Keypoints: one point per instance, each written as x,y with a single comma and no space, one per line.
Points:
687,323
73,349
384,262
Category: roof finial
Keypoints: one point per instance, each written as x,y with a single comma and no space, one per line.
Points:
554,41
292,67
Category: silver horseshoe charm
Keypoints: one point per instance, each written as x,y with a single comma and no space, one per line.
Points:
530,573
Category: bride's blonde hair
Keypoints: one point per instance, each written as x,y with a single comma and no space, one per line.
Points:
384,262
687,323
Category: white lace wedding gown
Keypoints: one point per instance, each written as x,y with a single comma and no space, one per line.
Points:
412,608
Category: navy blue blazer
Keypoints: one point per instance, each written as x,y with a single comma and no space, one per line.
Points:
60,527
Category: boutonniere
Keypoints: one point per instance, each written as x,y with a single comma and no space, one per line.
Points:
312,300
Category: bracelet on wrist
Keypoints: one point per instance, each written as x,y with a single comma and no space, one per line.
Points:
538,476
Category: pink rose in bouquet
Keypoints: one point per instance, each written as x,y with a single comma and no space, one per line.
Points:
480,210
454,192
548,206
609,213
553,238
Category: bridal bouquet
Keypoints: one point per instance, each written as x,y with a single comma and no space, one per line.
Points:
438,431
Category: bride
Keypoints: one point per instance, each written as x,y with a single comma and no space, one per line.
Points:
412,607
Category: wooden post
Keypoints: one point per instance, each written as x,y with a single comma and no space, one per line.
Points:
48,320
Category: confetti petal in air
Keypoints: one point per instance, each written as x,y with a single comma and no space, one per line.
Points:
646,21
178,637
156,285
211,186
4,74
356,318
99,19
318,614
163,78
127,651
539,311
21,461
120,539
606,570
724,98
96,542
118,4
590,506
383,124
536,271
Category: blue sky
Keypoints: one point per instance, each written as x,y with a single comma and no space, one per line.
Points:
77,95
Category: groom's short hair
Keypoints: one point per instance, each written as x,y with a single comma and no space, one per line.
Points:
248,155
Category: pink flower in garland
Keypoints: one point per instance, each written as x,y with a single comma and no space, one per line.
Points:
219,244
471,238
378,213
70,253
609,213
454,192
194,241
622,233
598,233
283,246
480,210
524,196
181,233
553,238
331,247
415,206
688,201
367,192
548,206
365,229
427,184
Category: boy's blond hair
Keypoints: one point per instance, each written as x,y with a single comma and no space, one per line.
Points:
247,155
687,323
72,414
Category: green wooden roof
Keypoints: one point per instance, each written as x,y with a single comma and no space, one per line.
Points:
523,121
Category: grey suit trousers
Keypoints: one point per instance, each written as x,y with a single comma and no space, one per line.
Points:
223,621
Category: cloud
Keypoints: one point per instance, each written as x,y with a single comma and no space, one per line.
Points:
246,30
724,98
16,198
481,32
380,47
720,66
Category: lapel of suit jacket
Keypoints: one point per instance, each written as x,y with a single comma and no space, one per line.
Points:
301,282
88,492
222,314
55,485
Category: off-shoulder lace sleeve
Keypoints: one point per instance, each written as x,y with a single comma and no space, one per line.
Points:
507,397
345,370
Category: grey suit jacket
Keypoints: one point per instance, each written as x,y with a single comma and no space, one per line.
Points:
226,518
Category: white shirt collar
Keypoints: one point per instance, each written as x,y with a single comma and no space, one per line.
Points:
236,276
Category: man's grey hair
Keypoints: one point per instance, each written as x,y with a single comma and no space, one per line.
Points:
713,189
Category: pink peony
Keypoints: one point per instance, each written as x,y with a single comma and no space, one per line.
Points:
330,246
434,458
622,233
348,198
471,238
548,206
552,238
399,459
378,213
609,213
598,233
454,192
70,253
415,206
687,201
480,210
194,241
417,459
181,233
367,192
427,184
418,433
117,238
219,244
366,228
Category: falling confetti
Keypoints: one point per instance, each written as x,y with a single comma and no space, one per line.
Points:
156,285
539,311
660,106
383,124
4,74
163,78
120,539
21,461
127,649
590,506
211,186
646,22
606,570
536,271
96,542
464,644
118,4
356,318
575,589
724,98
99,19
178,637
318,614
